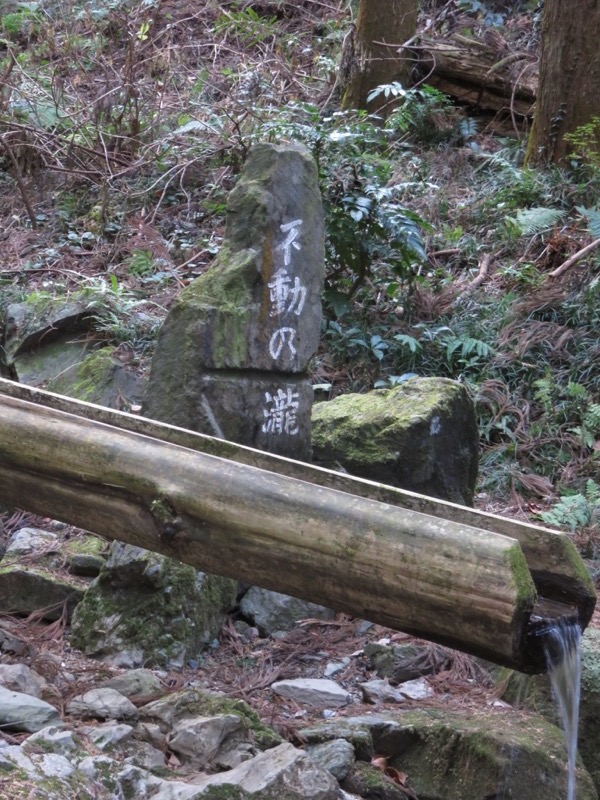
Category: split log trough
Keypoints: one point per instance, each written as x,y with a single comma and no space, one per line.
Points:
473,581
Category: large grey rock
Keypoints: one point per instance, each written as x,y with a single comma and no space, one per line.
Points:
142,684
315,692
421,436
283,772
51,739
145,608
336,756
47,344
188,704
96,377
20,678
232,356
102,704
272,611
404,662
475,755
201,739
25,589
43,320
22,712
32,574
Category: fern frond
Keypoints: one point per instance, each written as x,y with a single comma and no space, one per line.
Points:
592,417
593,219
536,220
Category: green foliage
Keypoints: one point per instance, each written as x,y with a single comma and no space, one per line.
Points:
370,233
246,25
21,25
141,263
426,115
585,142
592,215
535,220
120,315
575,511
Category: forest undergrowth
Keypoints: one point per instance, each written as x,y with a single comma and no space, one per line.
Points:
124,124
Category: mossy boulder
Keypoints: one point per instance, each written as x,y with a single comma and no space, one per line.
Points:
33,575
146,609
475,755
421,436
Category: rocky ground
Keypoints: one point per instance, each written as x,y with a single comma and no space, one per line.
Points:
330,708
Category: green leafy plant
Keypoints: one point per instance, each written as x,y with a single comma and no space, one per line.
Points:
585,142
535,220
247,25
575,511
141,263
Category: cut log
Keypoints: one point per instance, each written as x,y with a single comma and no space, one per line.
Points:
478,76
438,578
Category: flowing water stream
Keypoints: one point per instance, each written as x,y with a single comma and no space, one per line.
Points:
562,645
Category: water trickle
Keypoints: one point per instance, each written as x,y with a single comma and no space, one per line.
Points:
562,645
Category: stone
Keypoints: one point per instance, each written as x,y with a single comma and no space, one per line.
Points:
107,736
233,353
421,436
336,756
475,755
54,765
315,692
371,783
282,772
417,689
151,733
32,574
99,378
142,684
145,608
22,712
51,739
102,704
190,703
272,611
86,555
334,667
199,739
13,645
24,590
405,662
20,678
39,321
380,691
47,344
358,735
30,540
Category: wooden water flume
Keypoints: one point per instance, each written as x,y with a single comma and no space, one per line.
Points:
473,581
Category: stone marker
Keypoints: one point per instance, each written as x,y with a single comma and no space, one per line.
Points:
232,357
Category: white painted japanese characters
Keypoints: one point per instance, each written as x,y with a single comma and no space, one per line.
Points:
287,296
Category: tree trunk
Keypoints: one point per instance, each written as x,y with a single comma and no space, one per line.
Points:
371,56
443,580
568,95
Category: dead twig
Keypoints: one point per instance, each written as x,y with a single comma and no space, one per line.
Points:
589,248
20,182
484,268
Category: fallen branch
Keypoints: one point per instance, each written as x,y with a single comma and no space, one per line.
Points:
589,248
484,268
